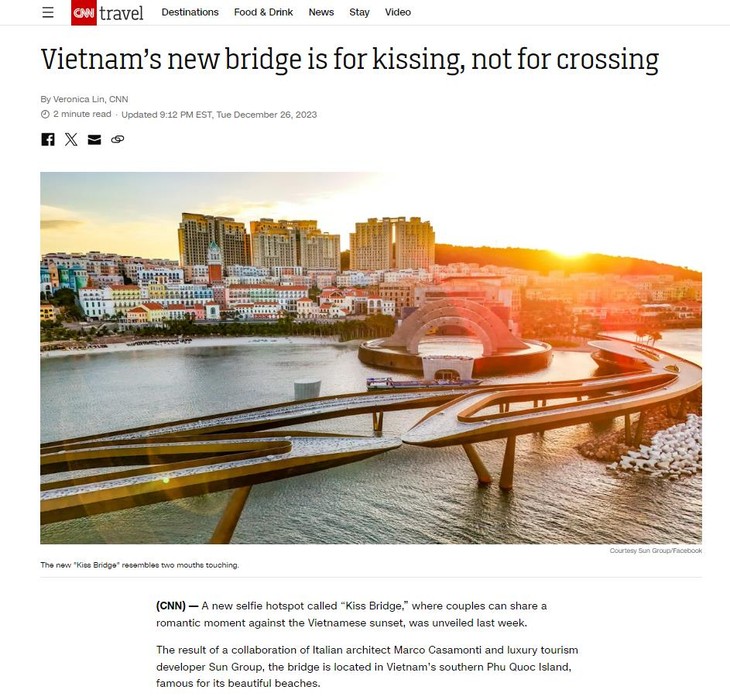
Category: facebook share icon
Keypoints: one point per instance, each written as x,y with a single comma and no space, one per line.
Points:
48,139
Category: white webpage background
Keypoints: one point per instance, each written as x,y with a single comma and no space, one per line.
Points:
588,149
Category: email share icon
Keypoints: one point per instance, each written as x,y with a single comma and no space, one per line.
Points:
94,140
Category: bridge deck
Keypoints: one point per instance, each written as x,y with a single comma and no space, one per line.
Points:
281,415
102,491
466,419
128,468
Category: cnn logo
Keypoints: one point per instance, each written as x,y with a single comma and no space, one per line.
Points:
83,12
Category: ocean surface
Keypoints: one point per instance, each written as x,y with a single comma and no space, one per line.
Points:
410,495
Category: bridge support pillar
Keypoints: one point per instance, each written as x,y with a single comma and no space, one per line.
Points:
677,408
627,429
231,515
640,428
378,423
483,476
508,464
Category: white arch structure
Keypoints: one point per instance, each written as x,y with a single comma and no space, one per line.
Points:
477,319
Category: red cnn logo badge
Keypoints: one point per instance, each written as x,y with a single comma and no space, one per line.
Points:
83,12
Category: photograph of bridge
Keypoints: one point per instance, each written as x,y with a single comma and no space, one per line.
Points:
422,412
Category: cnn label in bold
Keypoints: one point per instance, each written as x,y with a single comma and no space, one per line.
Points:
83,11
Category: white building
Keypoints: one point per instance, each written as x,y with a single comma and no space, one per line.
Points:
377,305
163,275
96,302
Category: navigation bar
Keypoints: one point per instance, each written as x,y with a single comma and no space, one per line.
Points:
101,13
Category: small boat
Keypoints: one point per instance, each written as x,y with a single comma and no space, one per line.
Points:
388,383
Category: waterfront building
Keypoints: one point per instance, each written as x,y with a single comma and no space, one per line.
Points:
292,244
384,244
415,244
180,312
163,275
103,268
238,294
286,296
371,246
46,283
320,250
149,313
97,302
419,275
688,310
189,294
329,310
197,231
378,305
152,313
307,308
73,277
402,294
358,278
482,289
125,297
48,312
356,301
333,297
274,243
256,311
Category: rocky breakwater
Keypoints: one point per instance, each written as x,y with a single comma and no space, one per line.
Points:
673,453
672,447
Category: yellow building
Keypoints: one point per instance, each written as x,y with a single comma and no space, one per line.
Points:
197,231
125,296
48,312
415,244
371,246
295,243
149,312
384,244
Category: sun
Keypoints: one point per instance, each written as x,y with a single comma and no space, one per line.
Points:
569,249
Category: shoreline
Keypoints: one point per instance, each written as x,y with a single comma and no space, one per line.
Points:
107,345
211,341
120,344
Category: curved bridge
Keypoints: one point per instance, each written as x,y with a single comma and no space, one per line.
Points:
124,469
166,469
231,451
279,415
510,410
